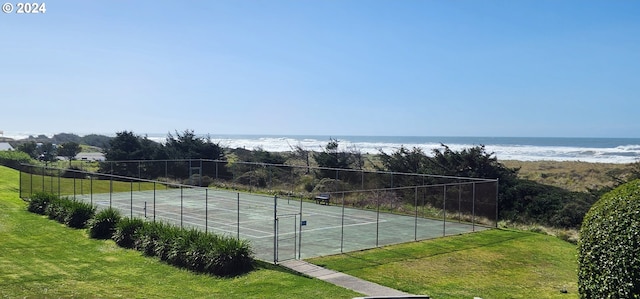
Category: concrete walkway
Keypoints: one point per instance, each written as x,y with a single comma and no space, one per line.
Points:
346,281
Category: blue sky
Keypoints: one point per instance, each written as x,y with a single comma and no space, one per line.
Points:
397,68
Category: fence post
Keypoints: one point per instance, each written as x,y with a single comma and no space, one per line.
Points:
459,202
206,210
300,234
415,226
275,229
51,182
42,178
497,197
444,211
59,190
377,220
181,205
342,227
473,208
131,191
110,189
238,215
154,201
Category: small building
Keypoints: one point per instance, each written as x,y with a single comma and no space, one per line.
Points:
5,146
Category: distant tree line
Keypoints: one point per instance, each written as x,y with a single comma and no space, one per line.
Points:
66,145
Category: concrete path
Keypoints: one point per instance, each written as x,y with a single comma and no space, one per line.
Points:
346,281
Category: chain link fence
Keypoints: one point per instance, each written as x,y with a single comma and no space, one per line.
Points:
274,205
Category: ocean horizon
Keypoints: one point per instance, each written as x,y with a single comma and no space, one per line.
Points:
595,150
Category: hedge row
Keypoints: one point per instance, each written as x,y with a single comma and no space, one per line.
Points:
609,245
71,212
13,159
186,248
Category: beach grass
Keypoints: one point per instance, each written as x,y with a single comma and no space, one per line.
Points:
570,175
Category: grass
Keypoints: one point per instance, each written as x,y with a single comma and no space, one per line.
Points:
570,175
489,264
42,258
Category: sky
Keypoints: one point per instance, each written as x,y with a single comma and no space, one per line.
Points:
530,68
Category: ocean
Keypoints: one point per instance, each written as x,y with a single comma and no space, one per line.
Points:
597,150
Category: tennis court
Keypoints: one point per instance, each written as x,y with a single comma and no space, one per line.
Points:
279,228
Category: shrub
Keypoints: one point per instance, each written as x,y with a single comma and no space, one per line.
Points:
125,232
13,159
57,209
232,257
78,214
193,249
151,239
39,201
103,225
608,251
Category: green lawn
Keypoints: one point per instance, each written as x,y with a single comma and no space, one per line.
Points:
41,258
488,264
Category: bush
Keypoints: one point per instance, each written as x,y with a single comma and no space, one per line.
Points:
232,257
57,209
194,249
608,249
103,225
39,202
78,214
13,159
125,233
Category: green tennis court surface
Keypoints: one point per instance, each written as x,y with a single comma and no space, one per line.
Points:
278,228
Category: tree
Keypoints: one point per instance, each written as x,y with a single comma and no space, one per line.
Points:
69,150
262,156
127,146
29,148
100,141
188,146
608,251
302,154
333,158
404,160
65,137
46,152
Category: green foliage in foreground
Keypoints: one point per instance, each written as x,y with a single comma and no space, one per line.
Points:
185,248
40,201
489,264
42,259
194,249
608,252
71,212
103,225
